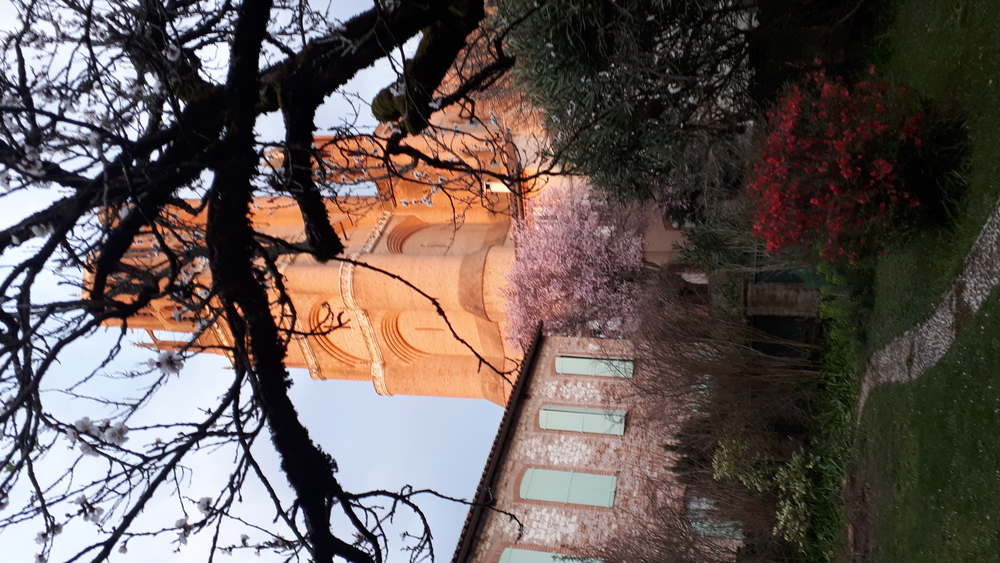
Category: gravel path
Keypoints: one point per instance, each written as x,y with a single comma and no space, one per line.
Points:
919,349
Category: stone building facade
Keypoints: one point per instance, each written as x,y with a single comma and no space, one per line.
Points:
572,461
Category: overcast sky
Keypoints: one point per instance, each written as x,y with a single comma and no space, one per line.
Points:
379,442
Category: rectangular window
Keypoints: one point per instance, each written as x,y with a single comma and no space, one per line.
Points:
600,367
582,419
515,555
569,487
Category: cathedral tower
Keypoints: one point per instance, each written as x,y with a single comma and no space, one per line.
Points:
418,299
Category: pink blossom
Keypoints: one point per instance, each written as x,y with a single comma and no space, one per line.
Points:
578,268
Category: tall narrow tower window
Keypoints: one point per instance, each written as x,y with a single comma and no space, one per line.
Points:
496,187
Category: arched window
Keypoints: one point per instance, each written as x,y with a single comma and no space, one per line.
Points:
587,365
582,419
515,555
569,487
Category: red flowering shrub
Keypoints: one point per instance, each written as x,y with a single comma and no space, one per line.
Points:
829,181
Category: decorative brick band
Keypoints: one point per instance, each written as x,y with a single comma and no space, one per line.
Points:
362,318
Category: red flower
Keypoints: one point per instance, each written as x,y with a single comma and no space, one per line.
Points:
802,198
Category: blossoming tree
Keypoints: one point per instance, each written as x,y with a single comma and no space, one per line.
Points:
114,114
579,265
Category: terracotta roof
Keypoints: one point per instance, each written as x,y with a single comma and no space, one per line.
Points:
483,499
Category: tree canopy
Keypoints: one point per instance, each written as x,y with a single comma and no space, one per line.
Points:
635,91
115,118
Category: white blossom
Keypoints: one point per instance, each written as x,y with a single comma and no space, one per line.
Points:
41,537
205,505
91,513
87,449
123,548
86,426
168,361
116,434
185,531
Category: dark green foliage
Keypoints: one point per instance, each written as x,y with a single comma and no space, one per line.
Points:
936,171
633,90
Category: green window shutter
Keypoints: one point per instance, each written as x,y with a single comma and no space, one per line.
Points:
600,367
542,484
592,490
582,419
569,487
515,555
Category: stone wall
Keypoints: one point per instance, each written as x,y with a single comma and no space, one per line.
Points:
635,458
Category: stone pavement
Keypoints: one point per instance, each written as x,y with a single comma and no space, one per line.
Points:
919,349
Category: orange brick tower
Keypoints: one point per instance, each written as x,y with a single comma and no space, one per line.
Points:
446,233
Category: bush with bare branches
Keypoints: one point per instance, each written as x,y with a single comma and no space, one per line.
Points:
735,413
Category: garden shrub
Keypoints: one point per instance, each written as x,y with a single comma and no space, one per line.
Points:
830,180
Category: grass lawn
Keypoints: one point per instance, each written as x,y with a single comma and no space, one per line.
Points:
930,450
931,455
948,51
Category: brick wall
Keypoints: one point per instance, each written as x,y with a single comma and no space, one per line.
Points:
635,458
